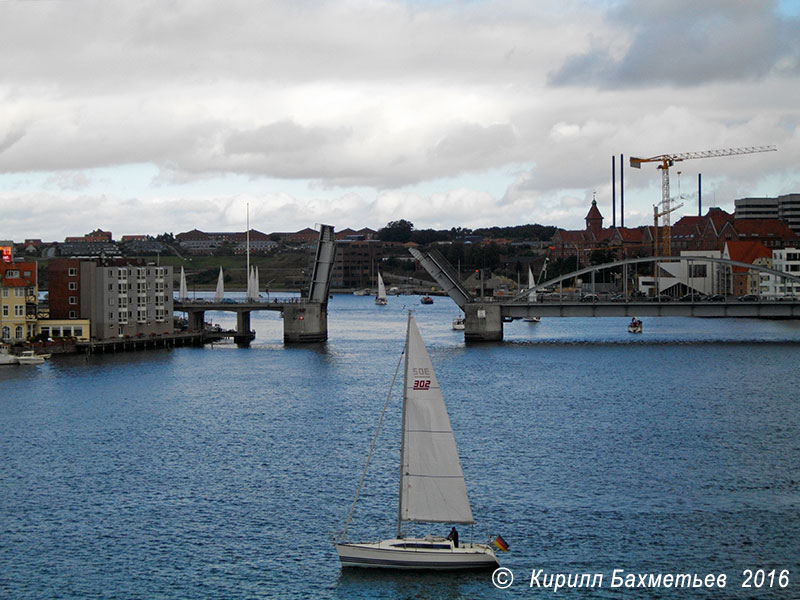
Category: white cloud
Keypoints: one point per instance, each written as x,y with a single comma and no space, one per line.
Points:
358,101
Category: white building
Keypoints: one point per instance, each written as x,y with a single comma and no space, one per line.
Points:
786,260
679,278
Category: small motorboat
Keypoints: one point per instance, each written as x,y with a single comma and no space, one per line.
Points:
635,326
426,300
6,358
29,357
459,323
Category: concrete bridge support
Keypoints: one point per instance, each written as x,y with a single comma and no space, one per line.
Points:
196,320
307,322
484,323
243,336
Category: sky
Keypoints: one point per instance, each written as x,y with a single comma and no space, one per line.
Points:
167,115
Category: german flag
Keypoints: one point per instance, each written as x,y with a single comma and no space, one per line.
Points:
500,544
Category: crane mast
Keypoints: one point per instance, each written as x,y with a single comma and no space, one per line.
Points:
666,161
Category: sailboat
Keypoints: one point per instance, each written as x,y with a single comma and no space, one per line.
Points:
219,294
531,297
432,488
183,293
380,299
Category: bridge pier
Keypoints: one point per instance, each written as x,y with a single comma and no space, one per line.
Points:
196,319
307,322
483,323
243,335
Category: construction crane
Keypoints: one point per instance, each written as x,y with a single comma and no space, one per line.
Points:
656,215
668,160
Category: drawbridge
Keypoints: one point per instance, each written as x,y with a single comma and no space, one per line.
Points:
485,316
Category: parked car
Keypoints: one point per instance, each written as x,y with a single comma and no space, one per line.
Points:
638,295
691,297
715,298
590,298
748,298
661,298
617,298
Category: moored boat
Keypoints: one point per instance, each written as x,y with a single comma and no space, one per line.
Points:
426,300
29,357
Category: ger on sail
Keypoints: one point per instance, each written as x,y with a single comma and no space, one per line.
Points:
432,488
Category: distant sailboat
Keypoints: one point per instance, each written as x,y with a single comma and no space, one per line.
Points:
531,296
432,488
380,299
183,293
220,293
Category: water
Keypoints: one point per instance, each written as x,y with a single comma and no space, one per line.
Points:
222,472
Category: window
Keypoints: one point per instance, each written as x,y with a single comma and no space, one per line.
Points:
19,292
19,310
72,285
697,270
45,331
56,332
73,272
73,314
5,310
5,292
6,333
77,331
111,316
18,332
12,274
73,299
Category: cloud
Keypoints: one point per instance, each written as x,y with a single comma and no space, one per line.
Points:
365,111
686,43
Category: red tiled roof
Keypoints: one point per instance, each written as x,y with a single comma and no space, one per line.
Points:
763,228
746,252
22,267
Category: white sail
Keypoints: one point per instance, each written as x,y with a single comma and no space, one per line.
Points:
432,485
531,285
381,297
183,292
255,283
220,293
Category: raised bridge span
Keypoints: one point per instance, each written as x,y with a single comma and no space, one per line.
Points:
485,316
304,319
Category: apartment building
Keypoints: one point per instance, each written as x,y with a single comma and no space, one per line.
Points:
120,298
18,300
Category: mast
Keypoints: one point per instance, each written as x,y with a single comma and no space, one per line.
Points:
248,252
403,435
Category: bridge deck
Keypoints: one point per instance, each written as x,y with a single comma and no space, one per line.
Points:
203,305
756,310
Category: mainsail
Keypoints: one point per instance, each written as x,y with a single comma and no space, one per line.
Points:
220,293
531,285
432,487
381,288
183,292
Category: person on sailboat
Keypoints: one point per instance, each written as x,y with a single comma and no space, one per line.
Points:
453,535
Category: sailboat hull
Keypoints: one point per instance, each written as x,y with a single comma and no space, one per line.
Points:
416,553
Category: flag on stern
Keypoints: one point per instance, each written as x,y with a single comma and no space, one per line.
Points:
500,544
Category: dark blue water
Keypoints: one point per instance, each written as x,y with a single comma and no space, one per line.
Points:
222,472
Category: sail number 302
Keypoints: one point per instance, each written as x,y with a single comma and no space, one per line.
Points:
422,384
761,578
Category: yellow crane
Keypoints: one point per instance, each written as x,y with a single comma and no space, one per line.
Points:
668,160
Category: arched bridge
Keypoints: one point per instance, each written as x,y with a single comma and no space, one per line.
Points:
485,316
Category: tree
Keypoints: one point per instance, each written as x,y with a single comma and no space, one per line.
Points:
396,231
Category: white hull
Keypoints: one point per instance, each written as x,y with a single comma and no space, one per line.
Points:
634,329
532,319
8,359
459,324
30,360
380,301
416,553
